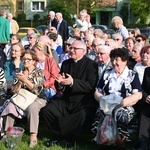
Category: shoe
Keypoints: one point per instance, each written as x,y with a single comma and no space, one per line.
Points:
51,142
33,143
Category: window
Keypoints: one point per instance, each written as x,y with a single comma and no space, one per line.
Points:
37,6
20,6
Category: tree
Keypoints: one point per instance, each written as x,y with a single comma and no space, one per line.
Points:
65,7
124,13
141,9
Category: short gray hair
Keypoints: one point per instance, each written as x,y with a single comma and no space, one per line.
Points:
105,47
52,12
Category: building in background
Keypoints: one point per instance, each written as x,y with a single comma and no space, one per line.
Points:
28,7
107,9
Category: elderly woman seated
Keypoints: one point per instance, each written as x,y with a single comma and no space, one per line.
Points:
124,83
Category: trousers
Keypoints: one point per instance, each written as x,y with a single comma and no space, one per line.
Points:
32,113
67,119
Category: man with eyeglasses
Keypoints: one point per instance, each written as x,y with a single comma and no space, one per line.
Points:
96,43
72,114
25,40
103,59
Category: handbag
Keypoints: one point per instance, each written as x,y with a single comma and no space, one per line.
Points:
107,133
23,98
108,103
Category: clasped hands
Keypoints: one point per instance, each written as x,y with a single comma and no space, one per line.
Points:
22,76
64,79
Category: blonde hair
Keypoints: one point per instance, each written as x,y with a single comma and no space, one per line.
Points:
42,47
117,19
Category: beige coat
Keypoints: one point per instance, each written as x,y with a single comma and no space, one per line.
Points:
14,26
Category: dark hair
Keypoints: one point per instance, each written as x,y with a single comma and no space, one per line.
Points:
53,36
32,53
132,31
141,36
120,52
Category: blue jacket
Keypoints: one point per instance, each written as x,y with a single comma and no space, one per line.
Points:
9,69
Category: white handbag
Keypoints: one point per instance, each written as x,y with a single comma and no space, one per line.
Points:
23,98
109,102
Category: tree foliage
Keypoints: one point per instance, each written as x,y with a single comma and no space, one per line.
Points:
124,13
140,8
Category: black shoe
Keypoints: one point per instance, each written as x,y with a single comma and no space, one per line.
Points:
52,142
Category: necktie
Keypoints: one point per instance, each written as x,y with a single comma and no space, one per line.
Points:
50,23
58,26
102,68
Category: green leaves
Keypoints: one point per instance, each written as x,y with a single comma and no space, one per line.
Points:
140,8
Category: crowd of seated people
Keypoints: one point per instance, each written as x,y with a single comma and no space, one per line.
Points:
79,67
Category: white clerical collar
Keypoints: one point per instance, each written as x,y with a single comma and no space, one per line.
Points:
77,60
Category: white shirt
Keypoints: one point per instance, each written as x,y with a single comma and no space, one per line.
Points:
83,25
139,68
40,65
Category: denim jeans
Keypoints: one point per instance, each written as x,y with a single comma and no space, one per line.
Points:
49,92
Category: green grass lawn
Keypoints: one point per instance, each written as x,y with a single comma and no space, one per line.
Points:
84,142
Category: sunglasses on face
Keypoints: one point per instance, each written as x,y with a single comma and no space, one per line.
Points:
117,39
68,44
138,40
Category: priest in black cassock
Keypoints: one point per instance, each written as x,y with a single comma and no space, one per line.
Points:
73,113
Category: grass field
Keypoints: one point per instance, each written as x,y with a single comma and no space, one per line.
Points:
84,142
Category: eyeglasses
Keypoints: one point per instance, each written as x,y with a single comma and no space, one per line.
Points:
30,37
139,40
94,45
12,50
100,54
68,44
75,48
116,39
26,59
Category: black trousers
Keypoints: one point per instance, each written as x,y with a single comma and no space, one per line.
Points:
67,119
144,130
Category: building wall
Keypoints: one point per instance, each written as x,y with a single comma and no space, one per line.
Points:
12,7
9,6
111,9
29,9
